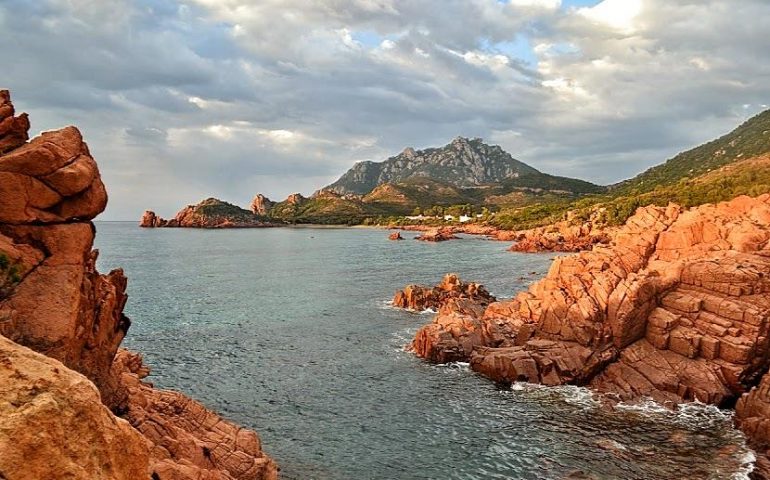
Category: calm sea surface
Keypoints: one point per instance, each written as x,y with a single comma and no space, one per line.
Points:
288,331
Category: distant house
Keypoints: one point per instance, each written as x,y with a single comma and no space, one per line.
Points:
464,218
416,217
449,217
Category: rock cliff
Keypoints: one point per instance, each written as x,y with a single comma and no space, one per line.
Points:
261,205
675,307
55,418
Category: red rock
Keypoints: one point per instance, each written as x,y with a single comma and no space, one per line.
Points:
564,236
395,236
54,301
187,441
53,424
417,297
261,205
437,235
150,220
674,307
209,213
13,129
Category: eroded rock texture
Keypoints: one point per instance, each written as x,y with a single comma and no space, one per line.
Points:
676,307
53,424
54,301
565,236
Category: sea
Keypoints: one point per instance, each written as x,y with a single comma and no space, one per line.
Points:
289,331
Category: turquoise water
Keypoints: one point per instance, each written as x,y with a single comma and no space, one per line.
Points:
288,331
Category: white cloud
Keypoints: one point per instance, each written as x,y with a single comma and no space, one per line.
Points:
618,14
547,4
229,97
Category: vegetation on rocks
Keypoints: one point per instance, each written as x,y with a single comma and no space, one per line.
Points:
10,275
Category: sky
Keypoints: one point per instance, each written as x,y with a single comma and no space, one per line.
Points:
181,100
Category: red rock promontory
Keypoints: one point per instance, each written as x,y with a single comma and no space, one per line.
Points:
675,306
209,213
71,403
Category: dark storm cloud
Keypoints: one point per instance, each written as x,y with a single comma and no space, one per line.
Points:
184,99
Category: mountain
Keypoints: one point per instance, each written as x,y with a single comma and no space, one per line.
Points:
463,163
750,139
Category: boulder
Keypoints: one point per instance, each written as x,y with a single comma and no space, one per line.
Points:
418,297
54,425
437,235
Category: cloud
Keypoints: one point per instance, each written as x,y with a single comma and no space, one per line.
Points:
183,99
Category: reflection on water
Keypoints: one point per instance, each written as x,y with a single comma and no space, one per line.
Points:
287,331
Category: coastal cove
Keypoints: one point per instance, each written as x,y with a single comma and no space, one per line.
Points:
287,331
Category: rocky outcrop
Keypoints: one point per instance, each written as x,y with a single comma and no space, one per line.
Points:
437,235
150,220
54,301
418,297
564,236
209,213
296,199
13,128
677,292
186,440
53,424
395,236
675,307
752,415
261,205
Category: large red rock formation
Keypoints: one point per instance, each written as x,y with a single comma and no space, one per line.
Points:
676,308
53,301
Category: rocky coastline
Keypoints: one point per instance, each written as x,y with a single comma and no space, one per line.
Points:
673,306
73,404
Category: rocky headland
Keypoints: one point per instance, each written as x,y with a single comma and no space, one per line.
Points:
213,213
73,404
673,306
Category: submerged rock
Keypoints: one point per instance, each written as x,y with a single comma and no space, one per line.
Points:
395,236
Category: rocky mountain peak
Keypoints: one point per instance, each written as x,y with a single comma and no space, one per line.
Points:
462,163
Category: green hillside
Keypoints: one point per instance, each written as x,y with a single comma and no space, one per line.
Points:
750,139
